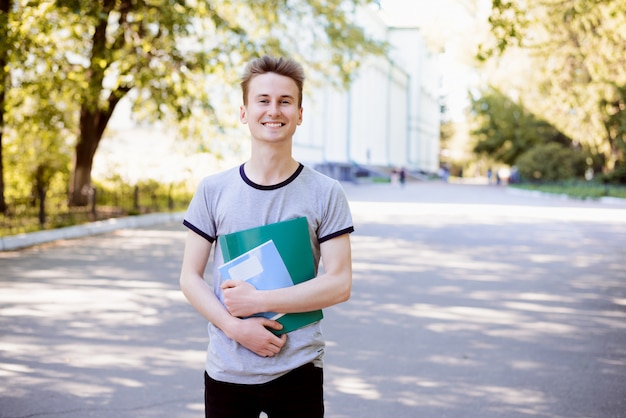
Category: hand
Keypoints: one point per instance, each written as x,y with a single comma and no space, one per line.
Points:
240,298
252,333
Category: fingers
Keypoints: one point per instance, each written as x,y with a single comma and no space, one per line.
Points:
253,333
276,343
274,348
240,298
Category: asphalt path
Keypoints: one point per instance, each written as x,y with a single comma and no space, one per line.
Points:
468,301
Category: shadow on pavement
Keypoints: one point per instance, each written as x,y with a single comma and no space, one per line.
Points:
98,327
473,311
466,302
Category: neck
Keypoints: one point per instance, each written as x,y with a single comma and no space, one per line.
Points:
270,169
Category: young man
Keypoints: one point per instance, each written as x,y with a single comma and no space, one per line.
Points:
248,368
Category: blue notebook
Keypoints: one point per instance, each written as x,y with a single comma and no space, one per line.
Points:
292,240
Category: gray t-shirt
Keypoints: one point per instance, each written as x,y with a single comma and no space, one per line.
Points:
228,202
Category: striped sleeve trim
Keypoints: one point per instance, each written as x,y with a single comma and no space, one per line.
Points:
348,230
199,232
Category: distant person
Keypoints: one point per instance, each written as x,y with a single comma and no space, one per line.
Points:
250,370
514,177
402,175
443,173
395,177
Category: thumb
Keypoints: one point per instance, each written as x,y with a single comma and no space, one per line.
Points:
230,283
269,323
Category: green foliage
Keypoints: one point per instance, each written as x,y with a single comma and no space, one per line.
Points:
505,129
5,44
551,162
616,176
118,196
616,125
72,61
576,189
575,50
40,111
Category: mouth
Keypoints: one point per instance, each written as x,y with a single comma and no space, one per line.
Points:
273,124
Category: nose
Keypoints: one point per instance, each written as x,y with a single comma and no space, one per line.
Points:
274,108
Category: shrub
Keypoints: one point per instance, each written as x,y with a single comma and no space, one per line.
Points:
617,176
551,162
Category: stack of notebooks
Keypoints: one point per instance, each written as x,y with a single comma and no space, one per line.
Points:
271,257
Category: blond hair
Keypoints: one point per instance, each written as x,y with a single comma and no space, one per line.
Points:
282,66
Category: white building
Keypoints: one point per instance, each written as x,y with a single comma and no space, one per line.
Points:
388,118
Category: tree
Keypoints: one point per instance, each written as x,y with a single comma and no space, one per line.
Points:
504,129
165,55
42,125
38,108
576,48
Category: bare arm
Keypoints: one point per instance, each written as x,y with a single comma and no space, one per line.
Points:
251,333
330,288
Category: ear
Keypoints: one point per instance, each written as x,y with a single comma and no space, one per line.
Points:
300,116
243,114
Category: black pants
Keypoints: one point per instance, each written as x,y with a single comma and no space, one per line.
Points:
298,394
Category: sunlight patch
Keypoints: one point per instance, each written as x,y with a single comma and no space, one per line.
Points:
357,386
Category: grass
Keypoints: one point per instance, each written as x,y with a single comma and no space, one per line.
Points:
577,190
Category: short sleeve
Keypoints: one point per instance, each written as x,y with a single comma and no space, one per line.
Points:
199,217
337,219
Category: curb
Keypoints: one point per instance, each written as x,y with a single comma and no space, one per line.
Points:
16,242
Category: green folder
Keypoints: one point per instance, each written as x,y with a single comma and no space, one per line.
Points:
292,240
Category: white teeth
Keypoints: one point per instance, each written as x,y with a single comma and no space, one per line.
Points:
273,125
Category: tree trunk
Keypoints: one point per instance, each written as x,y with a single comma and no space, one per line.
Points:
3,203
88,140
41,196
5,8
80,182
93,120
92,126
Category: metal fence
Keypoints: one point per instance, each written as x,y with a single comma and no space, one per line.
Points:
30,213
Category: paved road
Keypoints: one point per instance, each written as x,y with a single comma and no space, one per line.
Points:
468,301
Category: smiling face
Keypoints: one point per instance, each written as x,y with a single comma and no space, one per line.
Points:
272,111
